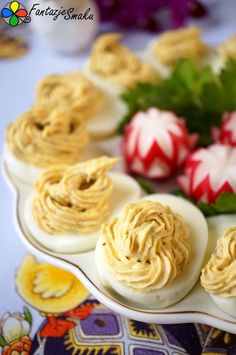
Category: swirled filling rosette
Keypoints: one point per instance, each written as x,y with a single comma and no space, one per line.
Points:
70,203
92,103
164,52
156,143
228,48
219,275
226,134
150,237
150,254
177,44
115,63
209,172
72,91
74,198
39,138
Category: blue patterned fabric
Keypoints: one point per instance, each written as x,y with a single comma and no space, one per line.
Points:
106,333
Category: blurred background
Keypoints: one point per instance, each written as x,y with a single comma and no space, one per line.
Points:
46,44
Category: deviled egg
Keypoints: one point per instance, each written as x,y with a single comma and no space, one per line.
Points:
219,275
152,253
114,66
40,138
96,104
164,52
228,49
66,210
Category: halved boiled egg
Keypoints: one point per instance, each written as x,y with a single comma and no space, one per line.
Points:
43,137
153,253
104,122
125,190
164,52
148,56
29,173
227,305
100,82
113,66
218,277
210,58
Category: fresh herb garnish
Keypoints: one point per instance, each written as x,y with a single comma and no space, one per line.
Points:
196,94
225,203
146,185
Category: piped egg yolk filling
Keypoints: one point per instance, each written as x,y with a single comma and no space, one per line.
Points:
146,248
42,138
116,63
219,275
178,44
73,91
228,48
73,199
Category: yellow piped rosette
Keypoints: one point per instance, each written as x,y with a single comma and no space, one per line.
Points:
146,248
228,48
219,275
178,44
117,64
73,198
73,91
42,138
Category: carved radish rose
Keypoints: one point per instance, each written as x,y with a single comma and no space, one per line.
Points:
209,172
156,143
227,134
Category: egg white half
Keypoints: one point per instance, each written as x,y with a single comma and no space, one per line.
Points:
173,293
217,225
104,123
28,173
210,58
227,305
148,57
101,83
125,190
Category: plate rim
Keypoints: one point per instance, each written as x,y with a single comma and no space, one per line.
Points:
115,305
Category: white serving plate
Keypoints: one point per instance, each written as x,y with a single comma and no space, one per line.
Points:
197,306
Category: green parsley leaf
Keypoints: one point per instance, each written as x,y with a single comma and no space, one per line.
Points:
146,185
196,94
225,203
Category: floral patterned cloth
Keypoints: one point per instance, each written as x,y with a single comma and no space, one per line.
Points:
92,329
